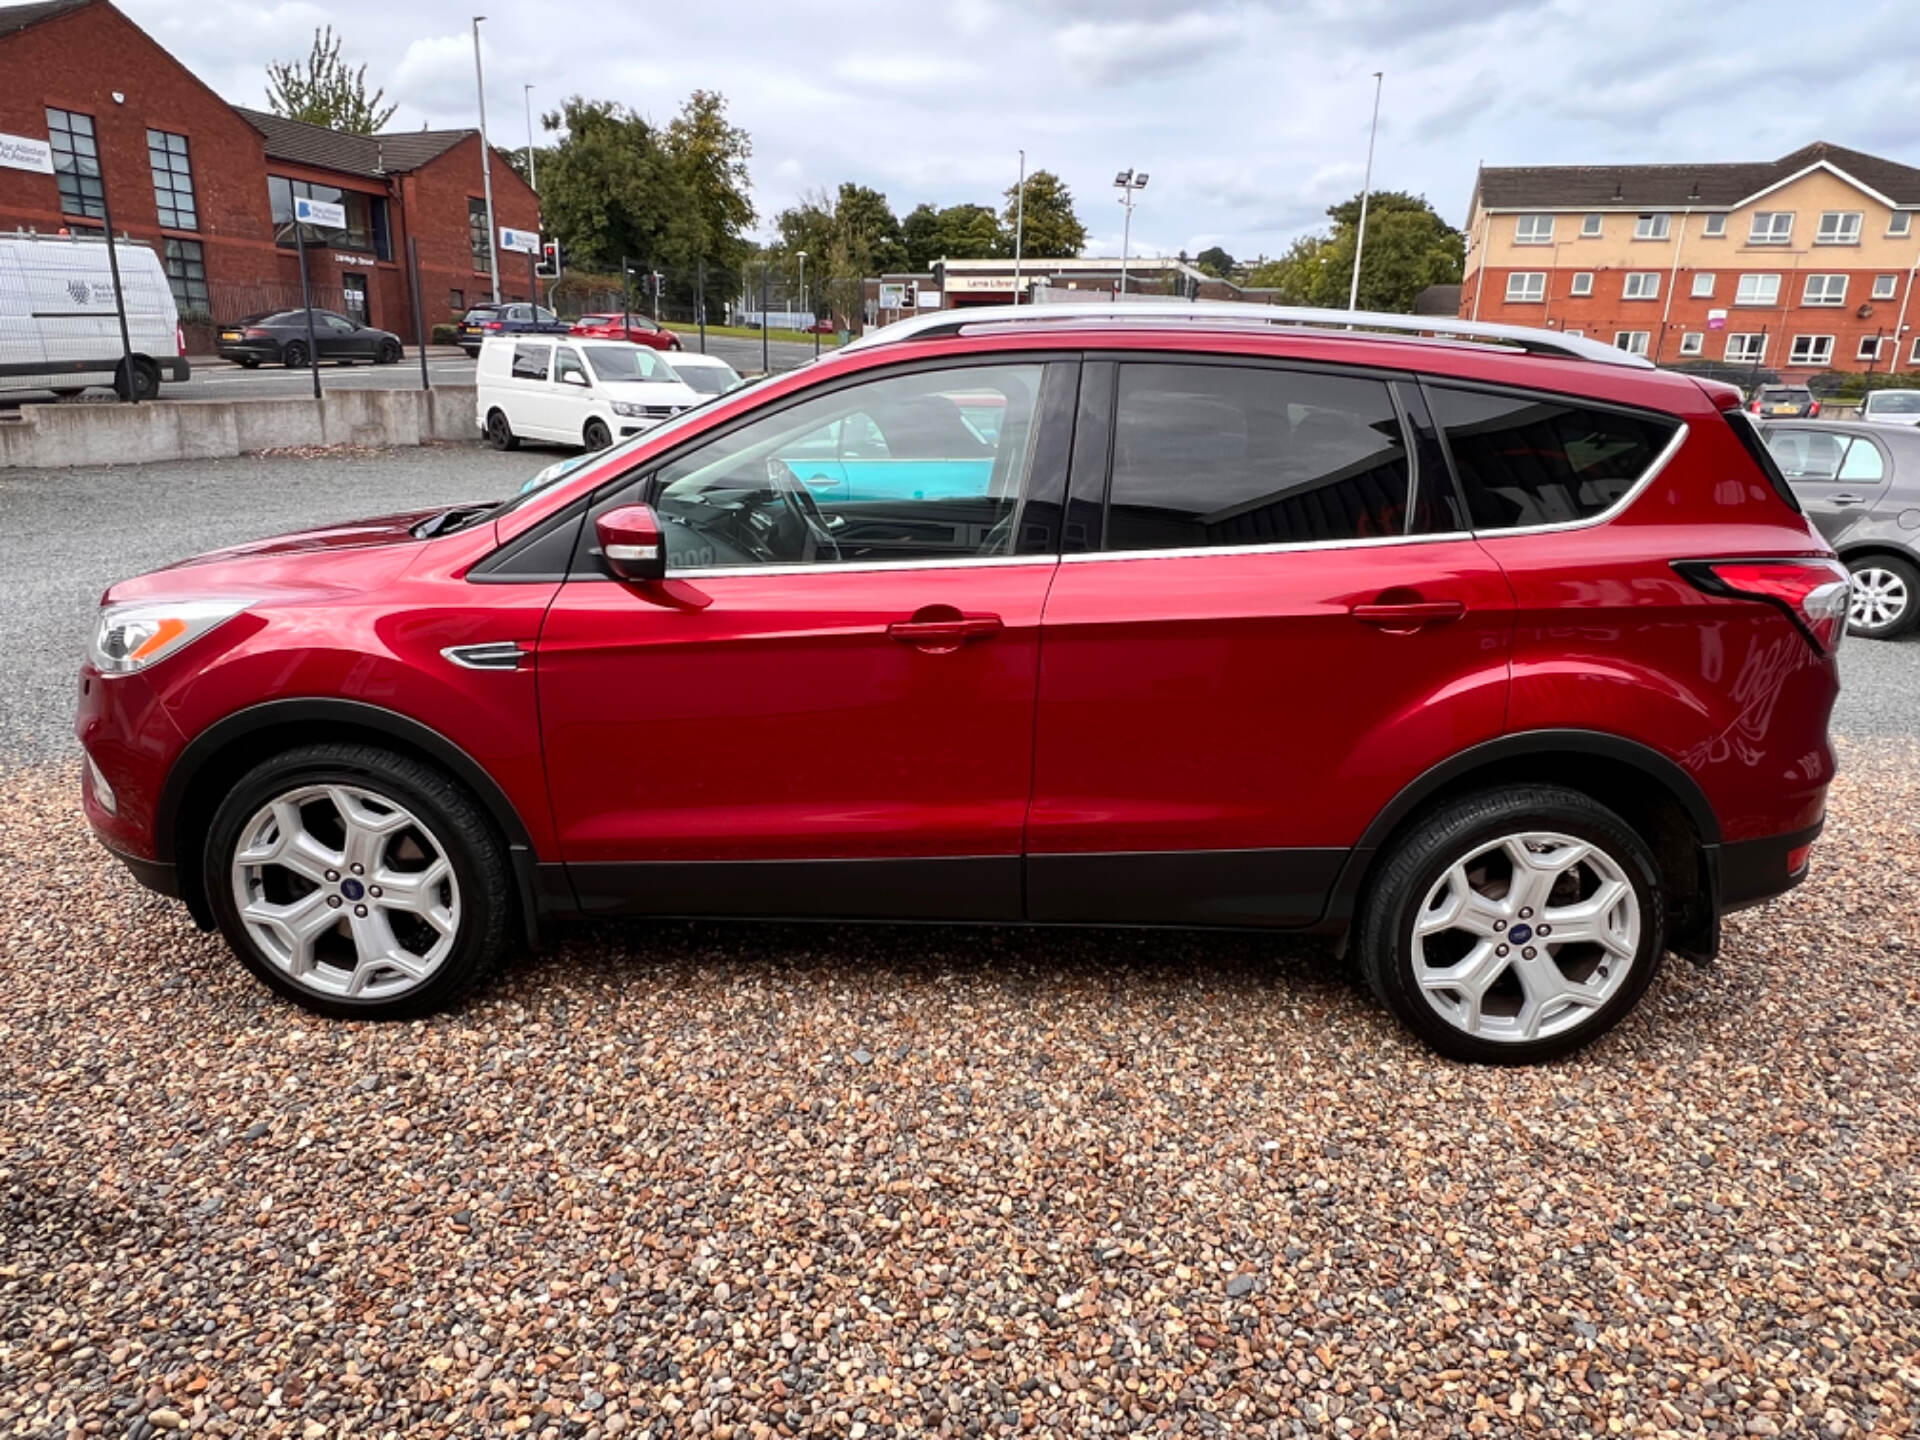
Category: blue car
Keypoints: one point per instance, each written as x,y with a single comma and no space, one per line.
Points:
929,449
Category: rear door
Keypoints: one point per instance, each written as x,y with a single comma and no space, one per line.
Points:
1838,476
1270,619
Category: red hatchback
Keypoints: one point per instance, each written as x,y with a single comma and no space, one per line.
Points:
1506,656
635,328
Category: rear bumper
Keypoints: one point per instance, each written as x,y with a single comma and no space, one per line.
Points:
1752,872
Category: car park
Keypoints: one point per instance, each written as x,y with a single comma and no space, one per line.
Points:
573,391
281,338
1773,401
514,318
636,329
1859,482
1892,407
60,329
708,374
1446,645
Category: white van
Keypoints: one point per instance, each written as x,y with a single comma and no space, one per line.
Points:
58,330
573,390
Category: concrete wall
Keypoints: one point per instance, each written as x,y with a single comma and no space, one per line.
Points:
51,436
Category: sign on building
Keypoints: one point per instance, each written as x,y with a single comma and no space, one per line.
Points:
527,242
892,296
23,152
323,214
1716,319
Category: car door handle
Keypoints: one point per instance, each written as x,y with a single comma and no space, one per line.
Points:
1408,615
1846,499
947,632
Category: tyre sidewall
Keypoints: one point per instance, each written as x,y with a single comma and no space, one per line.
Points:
1453,833
463,835
1907,571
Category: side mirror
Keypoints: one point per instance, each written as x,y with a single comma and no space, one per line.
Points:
630,538
574,377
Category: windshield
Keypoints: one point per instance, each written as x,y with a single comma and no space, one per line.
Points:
1894,402
708,379
626,362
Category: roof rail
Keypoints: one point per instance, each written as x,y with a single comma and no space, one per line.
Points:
941,324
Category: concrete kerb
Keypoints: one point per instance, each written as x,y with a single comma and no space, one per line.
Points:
55,436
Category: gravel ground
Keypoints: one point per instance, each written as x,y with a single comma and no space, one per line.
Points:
745,1181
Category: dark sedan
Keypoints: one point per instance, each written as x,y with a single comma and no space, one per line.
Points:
282,339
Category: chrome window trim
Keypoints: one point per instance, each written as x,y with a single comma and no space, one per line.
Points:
1634,492
1195,552
829,567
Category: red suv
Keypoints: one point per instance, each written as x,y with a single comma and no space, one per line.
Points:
635,328
1503,655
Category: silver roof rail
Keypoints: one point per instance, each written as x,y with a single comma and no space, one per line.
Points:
1225,314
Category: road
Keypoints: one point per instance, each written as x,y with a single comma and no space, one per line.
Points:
64,537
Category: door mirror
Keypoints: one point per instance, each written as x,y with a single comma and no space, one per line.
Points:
630,538
574,377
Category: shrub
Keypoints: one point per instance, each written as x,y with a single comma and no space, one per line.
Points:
445,335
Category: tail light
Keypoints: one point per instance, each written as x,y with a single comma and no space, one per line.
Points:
179,340
1814,592
1754,407
255,332
1814,409
491,325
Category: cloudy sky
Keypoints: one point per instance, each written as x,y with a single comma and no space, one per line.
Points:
1249,115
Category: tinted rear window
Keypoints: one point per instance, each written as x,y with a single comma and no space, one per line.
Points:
1221,455
1527,460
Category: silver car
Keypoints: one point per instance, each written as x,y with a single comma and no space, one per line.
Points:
1895,407
1860,483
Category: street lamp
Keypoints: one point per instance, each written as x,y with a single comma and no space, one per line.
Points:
803,282
1127,182
533,178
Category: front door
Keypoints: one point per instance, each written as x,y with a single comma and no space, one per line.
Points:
355,289
1274,627
828,709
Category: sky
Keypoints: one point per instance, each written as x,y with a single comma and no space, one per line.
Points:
1249,116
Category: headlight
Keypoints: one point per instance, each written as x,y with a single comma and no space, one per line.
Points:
629,409
132,636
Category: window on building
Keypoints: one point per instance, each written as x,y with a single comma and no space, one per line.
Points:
457,301
366,228
1524,460
477,237
1869,347
1652,227
1703,285
1771,227
1810,350
1899,222
1590,227
1750,348
1527,286
1533,230
172,180
1716,225
76,163
1758,290
185,262
1913,356
1692,343
1838,227
1641,285
1825,290
1885,287
1583,282
1634,342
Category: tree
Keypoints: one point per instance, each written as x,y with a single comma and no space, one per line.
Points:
517,159
920,232
321,90
709,158
613,190
1409,247
1215,261
1052,230
867,224
847,236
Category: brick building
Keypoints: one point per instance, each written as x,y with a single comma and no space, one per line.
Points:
1800,264
210,185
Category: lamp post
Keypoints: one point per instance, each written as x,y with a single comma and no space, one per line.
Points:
1019,226
803,282
486,167
1128,182
533,176
1366,189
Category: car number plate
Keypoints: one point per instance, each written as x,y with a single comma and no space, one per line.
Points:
229,334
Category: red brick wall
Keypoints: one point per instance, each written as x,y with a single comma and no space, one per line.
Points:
436,206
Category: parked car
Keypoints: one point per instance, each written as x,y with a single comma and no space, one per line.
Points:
1512,661
708,374
573,392
514,318
281,337
1893,407
1783,400
60,330
636,329
1860,483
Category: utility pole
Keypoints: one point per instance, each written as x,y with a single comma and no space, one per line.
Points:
533,175
1019,227
1128,182
486,164
1366,191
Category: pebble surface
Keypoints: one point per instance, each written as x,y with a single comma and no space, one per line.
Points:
740,1182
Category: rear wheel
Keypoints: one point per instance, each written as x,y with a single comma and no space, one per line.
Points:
1886,596
358,882
499,433
597,435
1513,926
248,363
293,355
137,378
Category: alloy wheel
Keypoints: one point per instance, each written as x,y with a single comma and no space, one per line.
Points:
1880,598
1526,937
346,892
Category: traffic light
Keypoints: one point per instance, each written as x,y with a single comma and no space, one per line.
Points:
549,266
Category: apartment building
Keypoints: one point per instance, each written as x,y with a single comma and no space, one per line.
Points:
1797,265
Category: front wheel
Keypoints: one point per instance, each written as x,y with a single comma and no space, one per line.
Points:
597,435
136,379
358,882
1514,926
499,432
1886,597
389,353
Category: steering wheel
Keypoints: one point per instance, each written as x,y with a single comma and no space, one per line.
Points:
800,501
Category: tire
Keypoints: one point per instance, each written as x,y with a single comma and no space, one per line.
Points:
314,950
1516,1014
596,435
248,364
390,353
142,375
1886,596
673,345
293,355
499,433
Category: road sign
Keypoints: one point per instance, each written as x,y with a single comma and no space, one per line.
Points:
527,242
320,213
23,152
893,297
1716,319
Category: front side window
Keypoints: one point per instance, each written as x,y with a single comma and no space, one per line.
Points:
1634,342
478,240
1527,285
1811,350
1583,282
1222,455
1716,225
566,362
1652,227
76,163
1642,285
1771,227
172,180
185,262
1692,343
1758,290
1825,290
1746,347
1703,285
1524,460
887,470
530,361
1533,230
1839,227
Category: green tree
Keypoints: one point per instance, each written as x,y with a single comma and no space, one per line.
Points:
322,90
1052,230
867,225
1409,247
709,157
613,190
920,232
517,159
1215,261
